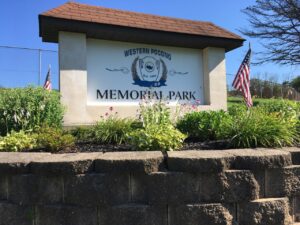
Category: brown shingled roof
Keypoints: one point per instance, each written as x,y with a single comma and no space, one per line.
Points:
118,25
101,15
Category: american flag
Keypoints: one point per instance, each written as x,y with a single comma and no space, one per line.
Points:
241,81
48,85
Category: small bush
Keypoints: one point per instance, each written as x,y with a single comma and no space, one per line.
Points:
289,110
83,134
53,139
156,137
111,130
258,128
157,131
237,110
17,141
206,125
28,108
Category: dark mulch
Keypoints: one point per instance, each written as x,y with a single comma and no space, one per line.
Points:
93,147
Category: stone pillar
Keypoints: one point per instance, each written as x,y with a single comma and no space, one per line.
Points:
214,70
73,76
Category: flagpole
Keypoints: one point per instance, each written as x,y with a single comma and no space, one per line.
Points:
40,67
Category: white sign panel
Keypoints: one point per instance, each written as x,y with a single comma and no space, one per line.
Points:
124,73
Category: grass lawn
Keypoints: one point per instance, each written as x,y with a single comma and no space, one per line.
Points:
256,101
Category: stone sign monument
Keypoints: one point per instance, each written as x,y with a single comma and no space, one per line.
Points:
116,58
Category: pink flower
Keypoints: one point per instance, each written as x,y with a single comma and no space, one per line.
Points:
111,108
106,114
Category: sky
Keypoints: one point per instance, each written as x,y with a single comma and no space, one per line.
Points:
19,27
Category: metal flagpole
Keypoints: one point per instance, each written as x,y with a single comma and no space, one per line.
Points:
40,67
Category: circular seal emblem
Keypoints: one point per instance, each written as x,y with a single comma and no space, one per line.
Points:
149,72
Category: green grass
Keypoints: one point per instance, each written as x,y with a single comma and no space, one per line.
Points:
256,101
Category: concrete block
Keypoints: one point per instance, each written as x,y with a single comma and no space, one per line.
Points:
145,162
283,182
200,214
65,164
12,214
199,161
31,189
186,188
3,187
260,159
15,162
259,176
295,153
173,188
239,185
272,211
139,190
230,187
133,214
65,215
97,189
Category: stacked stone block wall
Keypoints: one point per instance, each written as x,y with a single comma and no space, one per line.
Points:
230,187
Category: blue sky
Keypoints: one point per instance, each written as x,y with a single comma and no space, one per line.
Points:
19,27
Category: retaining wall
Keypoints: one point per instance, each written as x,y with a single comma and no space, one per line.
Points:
241,187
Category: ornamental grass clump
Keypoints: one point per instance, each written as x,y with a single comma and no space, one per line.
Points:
259,128
110,129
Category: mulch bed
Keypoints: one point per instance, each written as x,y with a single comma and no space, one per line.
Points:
93,147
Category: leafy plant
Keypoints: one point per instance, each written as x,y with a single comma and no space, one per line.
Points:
258,128
53,139
112,130
156,137
206,125
154,112
157,132
28,108
289,110
83,134
17,141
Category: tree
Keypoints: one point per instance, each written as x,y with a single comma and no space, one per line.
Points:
295,83
277,24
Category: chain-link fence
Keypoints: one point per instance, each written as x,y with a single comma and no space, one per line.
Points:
20,67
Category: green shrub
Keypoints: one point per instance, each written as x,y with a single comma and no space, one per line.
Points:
258,128
111,130
53,139
157,131
289,110
206,125
17,141
156,137
236,110
83,134
28,108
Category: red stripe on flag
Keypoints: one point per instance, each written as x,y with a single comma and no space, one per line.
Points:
241,81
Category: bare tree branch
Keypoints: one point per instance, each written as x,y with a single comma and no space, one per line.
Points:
277,24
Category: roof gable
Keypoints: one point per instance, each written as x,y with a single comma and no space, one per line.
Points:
82,13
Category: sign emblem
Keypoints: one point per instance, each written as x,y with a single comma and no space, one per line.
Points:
148,69
149,72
